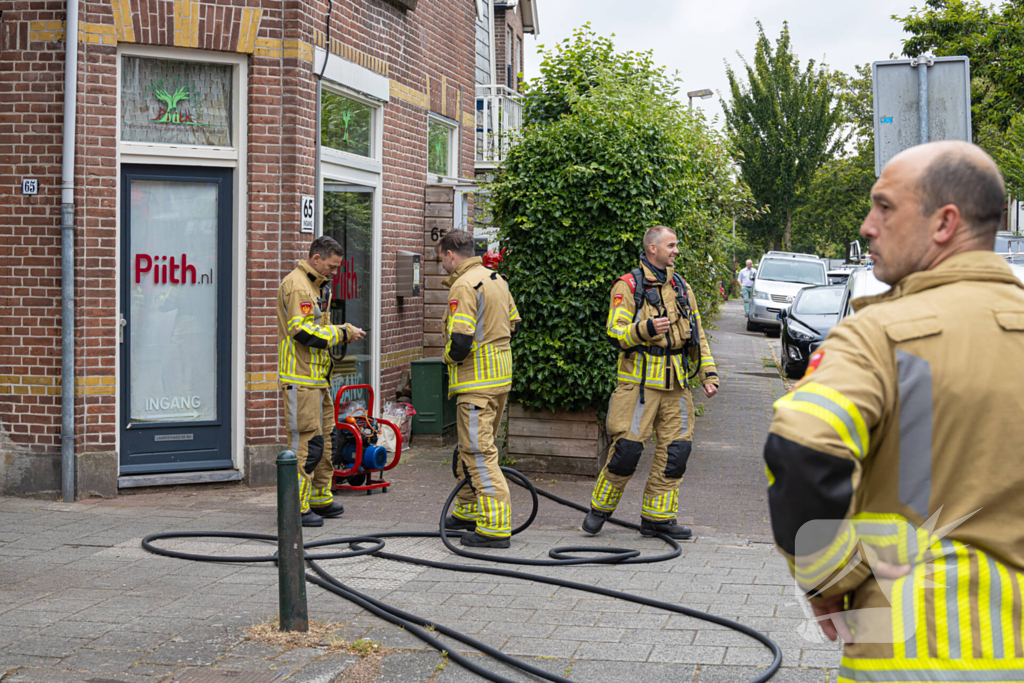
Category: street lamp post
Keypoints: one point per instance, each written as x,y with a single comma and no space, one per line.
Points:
703,94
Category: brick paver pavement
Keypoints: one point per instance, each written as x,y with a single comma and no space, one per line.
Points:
81,601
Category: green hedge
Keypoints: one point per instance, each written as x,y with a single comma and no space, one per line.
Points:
572,201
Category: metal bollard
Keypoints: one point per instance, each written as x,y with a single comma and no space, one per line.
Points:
290,554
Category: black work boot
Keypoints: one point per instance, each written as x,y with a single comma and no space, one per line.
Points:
475,540
594,520
668,527
334,509
453,523
312,519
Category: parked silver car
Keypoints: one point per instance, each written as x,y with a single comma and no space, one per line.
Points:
862,282
780,275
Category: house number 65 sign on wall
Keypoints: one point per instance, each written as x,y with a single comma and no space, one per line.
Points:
308,210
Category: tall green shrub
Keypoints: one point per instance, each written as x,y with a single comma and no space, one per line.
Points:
572,201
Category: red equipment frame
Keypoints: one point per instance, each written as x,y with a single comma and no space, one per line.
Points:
356,466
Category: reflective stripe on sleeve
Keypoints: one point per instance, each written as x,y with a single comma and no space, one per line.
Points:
832,407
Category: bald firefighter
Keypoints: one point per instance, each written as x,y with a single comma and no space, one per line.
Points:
895,466
654,321
304,334
478,327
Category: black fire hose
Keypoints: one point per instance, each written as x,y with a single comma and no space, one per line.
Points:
418,626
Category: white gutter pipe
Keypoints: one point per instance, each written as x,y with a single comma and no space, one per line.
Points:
67,255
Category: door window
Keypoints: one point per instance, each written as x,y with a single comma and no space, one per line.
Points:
173,301
348,218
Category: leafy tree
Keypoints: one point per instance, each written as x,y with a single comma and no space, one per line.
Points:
1009,154
784,122
573,67
572,201
834,204
993,38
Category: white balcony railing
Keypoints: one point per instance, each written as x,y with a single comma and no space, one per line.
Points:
499,115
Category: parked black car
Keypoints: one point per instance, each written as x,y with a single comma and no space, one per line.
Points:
805,325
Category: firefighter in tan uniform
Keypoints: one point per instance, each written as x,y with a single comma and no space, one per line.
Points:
653,319
479,324
304,334
895,467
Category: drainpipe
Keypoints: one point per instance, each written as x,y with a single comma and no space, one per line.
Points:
67,255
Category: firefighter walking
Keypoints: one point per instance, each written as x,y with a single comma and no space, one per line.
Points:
478,327
304,335
894,466
653,319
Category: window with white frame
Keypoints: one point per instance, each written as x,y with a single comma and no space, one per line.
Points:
346,124
442,148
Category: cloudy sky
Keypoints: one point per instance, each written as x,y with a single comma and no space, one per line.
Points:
696,38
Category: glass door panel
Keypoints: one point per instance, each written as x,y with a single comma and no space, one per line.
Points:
348,218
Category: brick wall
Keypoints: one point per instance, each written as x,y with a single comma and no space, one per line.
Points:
504,20
427,54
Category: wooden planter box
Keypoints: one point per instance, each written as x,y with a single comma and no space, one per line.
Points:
556,443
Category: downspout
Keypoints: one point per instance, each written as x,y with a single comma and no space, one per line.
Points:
318,198
67,255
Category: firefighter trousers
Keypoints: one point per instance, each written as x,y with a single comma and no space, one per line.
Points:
309,421
485,500
669,414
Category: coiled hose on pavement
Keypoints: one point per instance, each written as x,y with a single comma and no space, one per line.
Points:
374,545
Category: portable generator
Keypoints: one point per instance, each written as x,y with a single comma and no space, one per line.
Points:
355,451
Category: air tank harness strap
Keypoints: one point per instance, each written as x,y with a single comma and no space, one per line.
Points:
657,351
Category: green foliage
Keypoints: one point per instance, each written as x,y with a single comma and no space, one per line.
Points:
572,201
784,122
1009,154
834,204
993,38
573,67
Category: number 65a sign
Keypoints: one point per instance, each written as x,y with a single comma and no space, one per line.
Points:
308,211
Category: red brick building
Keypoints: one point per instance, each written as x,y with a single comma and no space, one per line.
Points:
198,184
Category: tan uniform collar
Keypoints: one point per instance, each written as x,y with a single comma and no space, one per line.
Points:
316,278
982,266
461,270
649,274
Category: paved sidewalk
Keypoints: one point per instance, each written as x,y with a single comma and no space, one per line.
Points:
81,601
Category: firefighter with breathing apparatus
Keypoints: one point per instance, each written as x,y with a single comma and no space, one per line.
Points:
478,327
304,337
653,320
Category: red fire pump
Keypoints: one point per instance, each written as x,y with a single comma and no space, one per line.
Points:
356,455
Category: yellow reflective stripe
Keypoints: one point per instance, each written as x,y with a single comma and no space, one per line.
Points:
928,670
514,313
834,557
605,496
1006,610
792,402
463,318
844,403
495,517
771,477
304,381
664,506
705,361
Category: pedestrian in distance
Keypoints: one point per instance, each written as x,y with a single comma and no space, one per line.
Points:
304,335
746,282
894,466
479,324
654,322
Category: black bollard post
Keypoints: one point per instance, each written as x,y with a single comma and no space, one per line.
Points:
290,554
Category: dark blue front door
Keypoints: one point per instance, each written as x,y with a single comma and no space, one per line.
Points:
176,319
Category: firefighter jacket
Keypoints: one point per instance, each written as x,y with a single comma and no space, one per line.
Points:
304,332
663,355
903,444
481,311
